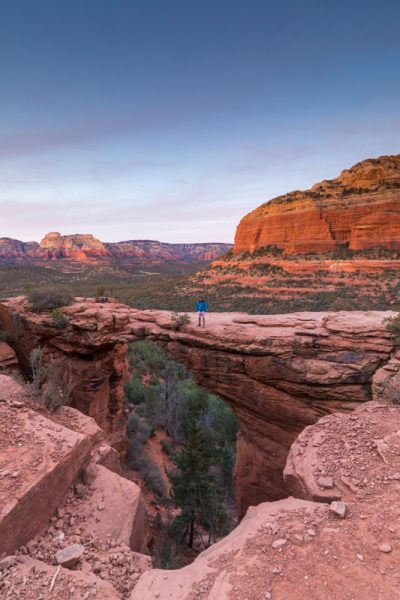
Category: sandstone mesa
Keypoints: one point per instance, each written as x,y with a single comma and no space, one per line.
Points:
85,248
359,208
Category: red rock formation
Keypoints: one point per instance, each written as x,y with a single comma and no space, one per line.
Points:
10,248
82,248
8,359
298,548
279,373
153,251
359,208
40,460
42,514
79,247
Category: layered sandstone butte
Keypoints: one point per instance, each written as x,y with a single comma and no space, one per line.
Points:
10,248
79,247
82,248
279,373
151,250
360,208
300,548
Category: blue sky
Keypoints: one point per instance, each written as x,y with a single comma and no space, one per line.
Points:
170,120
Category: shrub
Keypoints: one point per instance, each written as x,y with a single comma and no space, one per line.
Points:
167,447
59,319
151,474
145,356
179,320
135,391
51,386
393,326
38,371
139,431
49,298
166,557
18,377
101,294
138,428
5,336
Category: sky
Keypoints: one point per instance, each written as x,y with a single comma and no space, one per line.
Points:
172,119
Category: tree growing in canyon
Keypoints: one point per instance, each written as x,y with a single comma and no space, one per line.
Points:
195,490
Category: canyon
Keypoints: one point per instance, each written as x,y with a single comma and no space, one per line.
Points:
85,248
335,537
279,373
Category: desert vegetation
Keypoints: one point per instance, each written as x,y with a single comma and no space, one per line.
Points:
200,443
393,326
42,299
50,384
259,287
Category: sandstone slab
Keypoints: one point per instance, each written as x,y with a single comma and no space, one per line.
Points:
113,510
39,461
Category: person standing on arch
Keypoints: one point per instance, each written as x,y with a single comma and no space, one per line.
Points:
201,308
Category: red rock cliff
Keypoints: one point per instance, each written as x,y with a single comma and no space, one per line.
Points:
79,247
361,207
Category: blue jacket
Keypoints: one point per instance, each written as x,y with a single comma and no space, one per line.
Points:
201,306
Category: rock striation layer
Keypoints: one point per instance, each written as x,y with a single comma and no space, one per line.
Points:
279,373
360,208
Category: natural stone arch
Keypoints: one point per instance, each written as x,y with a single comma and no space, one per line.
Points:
279,373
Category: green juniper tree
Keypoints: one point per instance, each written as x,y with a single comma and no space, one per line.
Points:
194,489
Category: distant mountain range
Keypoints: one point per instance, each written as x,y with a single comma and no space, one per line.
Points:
85,248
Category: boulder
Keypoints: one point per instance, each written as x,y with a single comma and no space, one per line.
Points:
69,556
113,510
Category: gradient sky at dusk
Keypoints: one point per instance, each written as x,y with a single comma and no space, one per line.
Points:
171,119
